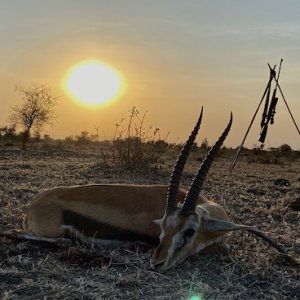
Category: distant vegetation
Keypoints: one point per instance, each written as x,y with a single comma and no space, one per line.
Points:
136,150
280,155
134,145
36,110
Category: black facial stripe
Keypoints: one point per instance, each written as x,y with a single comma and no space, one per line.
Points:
189,232
102,230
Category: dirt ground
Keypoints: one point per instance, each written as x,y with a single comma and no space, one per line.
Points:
250,270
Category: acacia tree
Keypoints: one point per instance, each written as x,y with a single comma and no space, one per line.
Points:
36,110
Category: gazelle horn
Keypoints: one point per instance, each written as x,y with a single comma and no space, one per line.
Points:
178,168
191,198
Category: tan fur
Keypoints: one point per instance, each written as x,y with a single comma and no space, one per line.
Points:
133,207
127,207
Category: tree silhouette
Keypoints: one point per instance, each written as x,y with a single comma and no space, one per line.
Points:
36,110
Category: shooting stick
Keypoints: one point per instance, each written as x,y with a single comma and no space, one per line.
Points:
272,76
272,72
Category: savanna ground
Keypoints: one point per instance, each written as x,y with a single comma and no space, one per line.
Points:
250,270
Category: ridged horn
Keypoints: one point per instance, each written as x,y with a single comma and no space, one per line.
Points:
179,166
191,198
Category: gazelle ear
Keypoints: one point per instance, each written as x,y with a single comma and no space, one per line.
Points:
211,224
157,221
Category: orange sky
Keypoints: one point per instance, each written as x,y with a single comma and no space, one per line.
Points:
176,56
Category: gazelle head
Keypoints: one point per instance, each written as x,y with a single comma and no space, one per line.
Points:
188,228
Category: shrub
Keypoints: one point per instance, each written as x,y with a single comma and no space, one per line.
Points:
136,145
204,145
84,138
285,148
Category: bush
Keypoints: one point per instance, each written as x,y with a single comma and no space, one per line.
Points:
83,139
136,146
285,148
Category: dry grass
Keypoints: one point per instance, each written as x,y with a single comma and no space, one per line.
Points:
251,270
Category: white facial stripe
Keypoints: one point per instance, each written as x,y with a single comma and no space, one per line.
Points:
190,223
172,248
172,220
162,233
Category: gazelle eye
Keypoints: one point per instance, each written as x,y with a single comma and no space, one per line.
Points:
189,232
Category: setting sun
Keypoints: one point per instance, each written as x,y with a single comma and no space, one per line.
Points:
93,83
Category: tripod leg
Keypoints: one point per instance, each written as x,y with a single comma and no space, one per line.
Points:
297,128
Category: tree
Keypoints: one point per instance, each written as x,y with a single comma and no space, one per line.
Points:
36,110
285,148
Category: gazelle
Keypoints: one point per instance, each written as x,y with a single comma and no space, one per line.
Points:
180,226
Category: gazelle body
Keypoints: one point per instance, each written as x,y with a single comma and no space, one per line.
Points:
177,222
113,212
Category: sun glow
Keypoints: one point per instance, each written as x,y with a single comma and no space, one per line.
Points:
94,83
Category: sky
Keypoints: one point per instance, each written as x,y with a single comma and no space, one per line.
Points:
175,55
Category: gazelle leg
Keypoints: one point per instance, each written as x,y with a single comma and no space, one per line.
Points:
73,234
76,236
29,236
